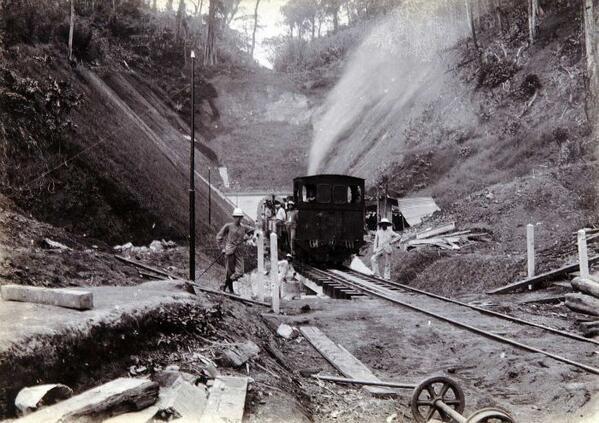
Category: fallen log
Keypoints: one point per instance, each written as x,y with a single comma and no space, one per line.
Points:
586,285
120,395
60,297
583,304
535,281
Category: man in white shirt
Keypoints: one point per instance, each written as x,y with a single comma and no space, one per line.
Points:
383,247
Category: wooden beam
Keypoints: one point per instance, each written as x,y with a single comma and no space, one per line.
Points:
534,282
342,359
436,231
120,395
226,401
60,297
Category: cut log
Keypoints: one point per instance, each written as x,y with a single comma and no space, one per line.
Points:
226,401
61,297
33,398
119,396
536,281
583,304
587,286
436,231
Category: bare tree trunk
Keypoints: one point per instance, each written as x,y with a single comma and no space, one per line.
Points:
533,10
180,12
71,30
255,28
154,7
209,51
470,19
335,21
199,11
313,26
592,76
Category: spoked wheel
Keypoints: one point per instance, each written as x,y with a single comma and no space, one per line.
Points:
491,415
434,389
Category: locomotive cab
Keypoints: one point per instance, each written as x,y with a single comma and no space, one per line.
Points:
330,225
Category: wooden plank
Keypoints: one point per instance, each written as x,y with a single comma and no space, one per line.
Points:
342,359
120,395
534,282
60,297
436,231
226,401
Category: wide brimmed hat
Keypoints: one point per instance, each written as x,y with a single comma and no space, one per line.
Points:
385,221
238,213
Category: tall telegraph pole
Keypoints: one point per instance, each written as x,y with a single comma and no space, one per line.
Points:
192,190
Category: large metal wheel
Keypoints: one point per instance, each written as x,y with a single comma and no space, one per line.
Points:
491,415
434,389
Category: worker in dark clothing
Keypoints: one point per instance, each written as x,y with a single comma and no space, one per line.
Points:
229,238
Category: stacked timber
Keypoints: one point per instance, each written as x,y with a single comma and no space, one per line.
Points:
443,237
585,301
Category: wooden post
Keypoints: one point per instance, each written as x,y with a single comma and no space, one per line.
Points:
583,259
274,272
530,248
260,279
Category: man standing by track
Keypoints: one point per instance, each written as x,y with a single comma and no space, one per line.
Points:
383,247
229,238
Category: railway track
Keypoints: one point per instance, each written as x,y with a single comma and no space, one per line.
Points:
518,333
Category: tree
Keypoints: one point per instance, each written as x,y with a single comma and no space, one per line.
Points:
180,16
71,30
533,10
229,9
169,5
592,76
255,28
197,7
331,8
470,19
209,50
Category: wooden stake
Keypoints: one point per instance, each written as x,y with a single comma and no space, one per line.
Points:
274,273
260,281
530,248
583,259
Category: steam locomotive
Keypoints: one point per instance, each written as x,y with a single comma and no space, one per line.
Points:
331,214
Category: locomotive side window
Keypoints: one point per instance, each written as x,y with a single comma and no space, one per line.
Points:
323,193
355,196
340,194
309,193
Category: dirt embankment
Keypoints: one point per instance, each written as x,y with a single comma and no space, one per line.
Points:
165,327
518,151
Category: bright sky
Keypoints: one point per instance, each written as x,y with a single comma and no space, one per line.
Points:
270,22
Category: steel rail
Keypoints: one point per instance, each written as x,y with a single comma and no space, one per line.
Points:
457,323
477,308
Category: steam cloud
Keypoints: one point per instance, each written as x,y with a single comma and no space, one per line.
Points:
399,69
